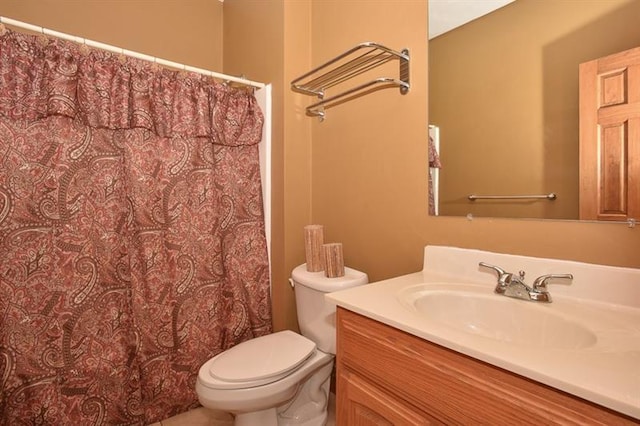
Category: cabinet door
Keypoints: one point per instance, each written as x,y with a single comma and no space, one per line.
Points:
364,404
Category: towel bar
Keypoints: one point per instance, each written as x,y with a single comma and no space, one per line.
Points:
357,60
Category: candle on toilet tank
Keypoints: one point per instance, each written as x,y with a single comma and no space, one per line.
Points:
313,240
333,260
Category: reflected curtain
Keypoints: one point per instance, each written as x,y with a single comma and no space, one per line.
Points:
434,163
132,239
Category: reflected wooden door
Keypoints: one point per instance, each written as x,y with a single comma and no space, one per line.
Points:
610,137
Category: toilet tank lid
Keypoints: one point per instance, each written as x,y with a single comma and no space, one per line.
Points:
318,281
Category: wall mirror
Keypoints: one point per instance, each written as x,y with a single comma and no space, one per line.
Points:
503,95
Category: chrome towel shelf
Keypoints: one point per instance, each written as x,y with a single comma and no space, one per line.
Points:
363,57
551,196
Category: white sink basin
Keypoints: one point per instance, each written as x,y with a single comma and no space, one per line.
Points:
476,310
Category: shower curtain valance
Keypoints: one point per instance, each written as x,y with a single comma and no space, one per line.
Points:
45,76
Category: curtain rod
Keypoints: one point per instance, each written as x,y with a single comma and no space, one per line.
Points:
103,46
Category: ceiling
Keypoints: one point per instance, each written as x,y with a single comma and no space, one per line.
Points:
445,15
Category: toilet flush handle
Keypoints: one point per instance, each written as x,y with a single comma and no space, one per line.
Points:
292,283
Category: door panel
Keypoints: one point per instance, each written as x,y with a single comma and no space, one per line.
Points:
610,137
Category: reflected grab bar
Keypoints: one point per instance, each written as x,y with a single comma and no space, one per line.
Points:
550,196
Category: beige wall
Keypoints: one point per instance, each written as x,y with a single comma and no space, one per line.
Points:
187,31
362,172
510,126
369,155
269,40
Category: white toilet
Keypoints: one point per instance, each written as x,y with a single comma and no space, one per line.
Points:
282,378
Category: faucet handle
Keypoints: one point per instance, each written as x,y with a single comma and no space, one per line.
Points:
498,269
540,284
504,277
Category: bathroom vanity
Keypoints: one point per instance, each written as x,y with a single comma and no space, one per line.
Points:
403,359
386,376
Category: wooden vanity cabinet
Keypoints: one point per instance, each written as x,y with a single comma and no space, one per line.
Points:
388,377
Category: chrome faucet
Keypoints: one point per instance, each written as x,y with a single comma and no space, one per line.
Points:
511,285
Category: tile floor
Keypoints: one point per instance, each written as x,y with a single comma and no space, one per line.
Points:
198,417
204,417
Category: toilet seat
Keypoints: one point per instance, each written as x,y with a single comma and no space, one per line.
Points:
258,361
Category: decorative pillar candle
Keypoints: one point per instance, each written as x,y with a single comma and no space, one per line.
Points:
333,260
313,240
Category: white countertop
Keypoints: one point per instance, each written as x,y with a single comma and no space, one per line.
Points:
606,373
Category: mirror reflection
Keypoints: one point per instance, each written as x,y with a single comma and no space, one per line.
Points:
503,100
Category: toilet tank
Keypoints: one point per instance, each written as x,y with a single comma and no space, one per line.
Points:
316,317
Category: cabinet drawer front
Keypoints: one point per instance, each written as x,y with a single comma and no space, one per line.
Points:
364,404
452,387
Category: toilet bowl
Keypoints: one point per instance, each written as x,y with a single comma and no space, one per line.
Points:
282,378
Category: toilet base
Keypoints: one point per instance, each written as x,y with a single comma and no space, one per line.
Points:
266,417
309,407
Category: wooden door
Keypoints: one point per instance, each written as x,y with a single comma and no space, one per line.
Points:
610,137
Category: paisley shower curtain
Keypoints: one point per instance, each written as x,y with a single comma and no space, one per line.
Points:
132,242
